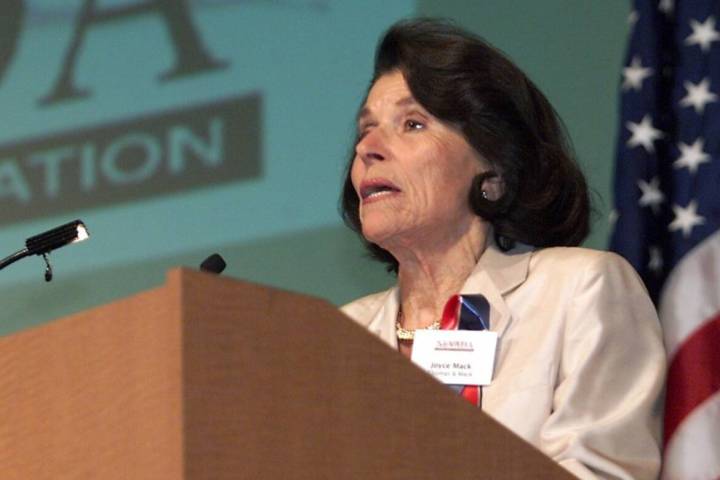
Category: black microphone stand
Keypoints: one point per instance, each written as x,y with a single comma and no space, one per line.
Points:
10,259
48,241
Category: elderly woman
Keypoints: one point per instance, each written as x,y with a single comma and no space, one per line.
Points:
462,182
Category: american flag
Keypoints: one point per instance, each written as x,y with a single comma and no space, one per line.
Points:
667,211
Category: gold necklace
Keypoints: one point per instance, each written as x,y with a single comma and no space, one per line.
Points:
403,333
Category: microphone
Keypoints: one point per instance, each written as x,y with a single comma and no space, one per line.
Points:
46,242
213,264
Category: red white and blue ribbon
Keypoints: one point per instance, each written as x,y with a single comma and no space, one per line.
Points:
466,312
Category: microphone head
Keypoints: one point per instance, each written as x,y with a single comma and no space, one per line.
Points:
213,264
58,237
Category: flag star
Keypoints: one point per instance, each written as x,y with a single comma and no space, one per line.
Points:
703,33
691,156
655,263
666,6
643,133
613,217
698,95
632,18
651,194
686,218
635,74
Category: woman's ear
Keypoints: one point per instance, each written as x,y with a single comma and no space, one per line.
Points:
492,186
488,195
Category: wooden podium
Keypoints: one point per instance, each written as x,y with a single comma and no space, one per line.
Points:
212,378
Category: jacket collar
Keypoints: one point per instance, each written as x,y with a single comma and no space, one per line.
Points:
496,274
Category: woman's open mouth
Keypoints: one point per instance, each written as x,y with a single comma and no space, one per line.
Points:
377,188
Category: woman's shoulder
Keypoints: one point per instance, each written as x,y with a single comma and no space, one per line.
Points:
363,309
578,258
585,265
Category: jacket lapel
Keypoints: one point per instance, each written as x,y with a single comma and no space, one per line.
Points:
496,274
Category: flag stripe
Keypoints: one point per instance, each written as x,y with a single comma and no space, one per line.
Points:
692,377
692,453
690,296
667,210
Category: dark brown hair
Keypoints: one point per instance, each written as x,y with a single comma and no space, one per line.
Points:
462,80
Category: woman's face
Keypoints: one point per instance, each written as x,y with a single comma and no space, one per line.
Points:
412,172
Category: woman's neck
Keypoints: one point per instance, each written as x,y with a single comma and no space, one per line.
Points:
430,273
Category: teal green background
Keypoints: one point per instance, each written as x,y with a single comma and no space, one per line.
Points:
312,61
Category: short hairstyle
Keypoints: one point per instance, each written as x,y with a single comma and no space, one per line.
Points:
462,80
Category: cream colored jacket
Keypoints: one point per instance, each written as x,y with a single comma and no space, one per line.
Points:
580,366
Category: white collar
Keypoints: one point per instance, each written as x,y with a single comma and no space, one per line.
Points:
496,274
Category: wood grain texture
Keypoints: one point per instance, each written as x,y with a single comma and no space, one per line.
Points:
281,385
95,395
211,378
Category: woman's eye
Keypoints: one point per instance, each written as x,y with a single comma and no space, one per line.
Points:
414,125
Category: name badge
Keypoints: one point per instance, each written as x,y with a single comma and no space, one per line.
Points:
456,357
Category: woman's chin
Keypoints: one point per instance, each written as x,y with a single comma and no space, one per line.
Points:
378,233
375,237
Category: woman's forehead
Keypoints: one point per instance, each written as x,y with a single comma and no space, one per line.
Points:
388,91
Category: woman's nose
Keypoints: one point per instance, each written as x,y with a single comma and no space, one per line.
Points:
372,146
